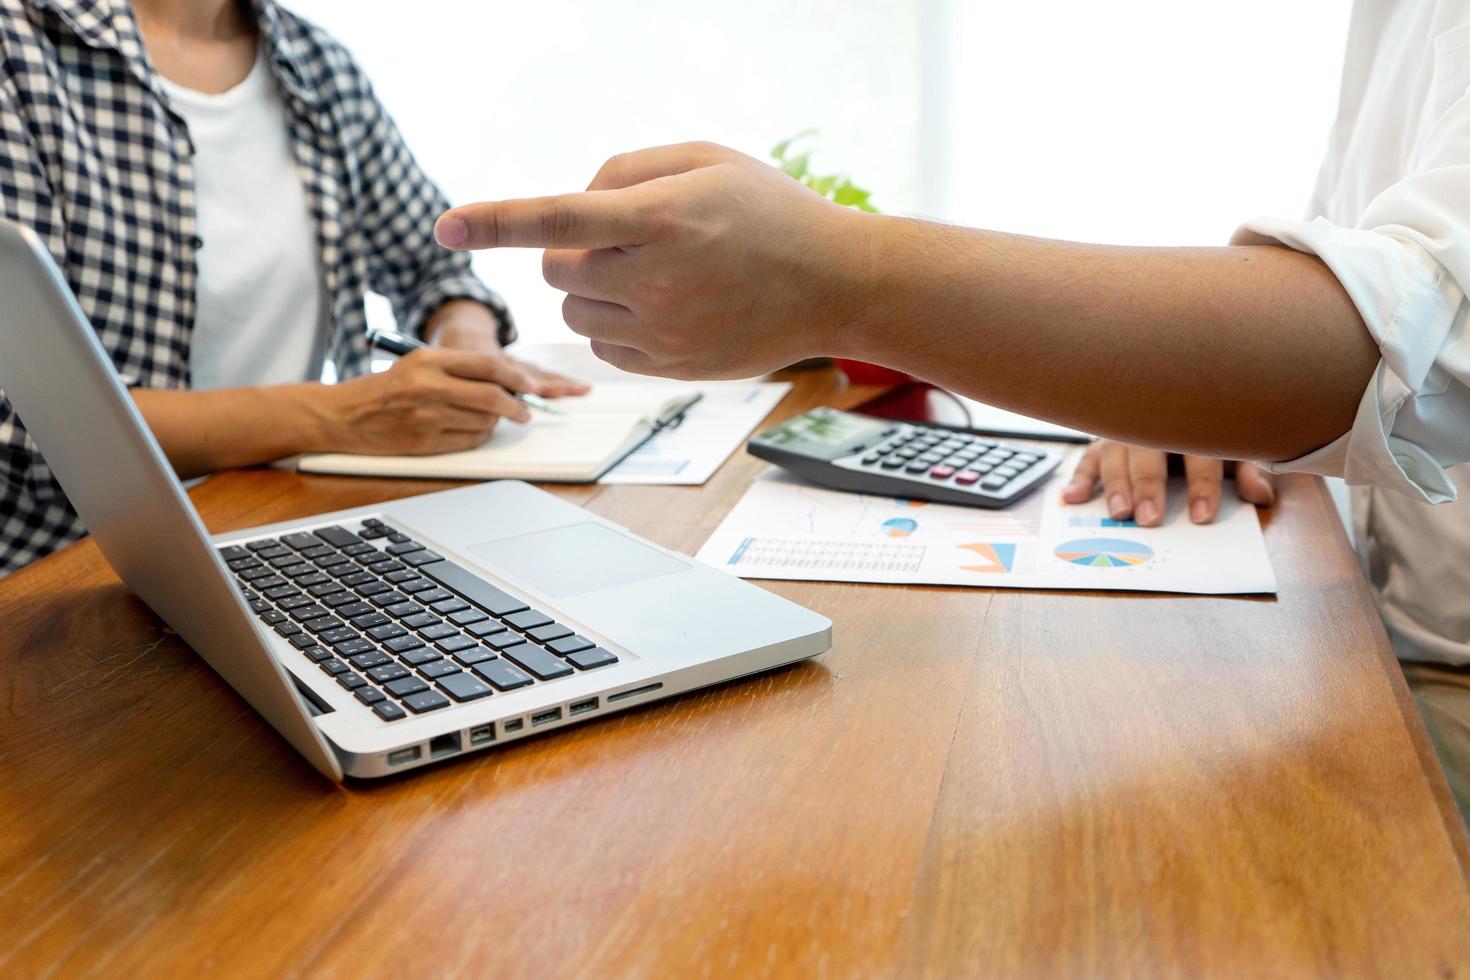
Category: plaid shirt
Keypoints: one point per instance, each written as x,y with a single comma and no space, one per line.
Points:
94,159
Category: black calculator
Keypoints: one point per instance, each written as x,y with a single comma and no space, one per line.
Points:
903,459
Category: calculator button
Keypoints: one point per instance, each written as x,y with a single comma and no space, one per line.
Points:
871,458
994,482
942,472
958,462
1002,452
931,458
906,453
917,466
966,477
893,462
1009,472
982,468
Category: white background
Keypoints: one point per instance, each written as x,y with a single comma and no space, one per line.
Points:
1131,122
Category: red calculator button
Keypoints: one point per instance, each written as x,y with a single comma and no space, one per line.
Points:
942,472
967,477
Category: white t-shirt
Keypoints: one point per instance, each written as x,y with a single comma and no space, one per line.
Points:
260,299
1391,218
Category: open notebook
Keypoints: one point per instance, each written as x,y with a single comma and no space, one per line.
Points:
597,430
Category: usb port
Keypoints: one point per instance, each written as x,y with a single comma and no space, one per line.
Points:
545,717
482,734
401,756
514,725
582,707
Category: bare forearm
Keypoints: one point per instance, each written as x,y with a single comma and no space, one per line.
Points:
205,431
1248,352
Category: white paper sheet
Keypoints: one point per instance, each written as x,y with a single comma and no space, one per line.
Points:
712,430
786,529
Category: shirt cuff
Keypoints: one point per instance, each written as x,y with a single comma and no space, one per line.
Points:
1399,290
461,287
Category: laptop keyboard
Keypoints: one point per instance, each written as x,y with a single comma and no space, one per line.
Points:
403,628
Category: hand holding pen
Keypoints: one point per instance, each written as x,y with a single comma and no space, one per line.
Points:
392,342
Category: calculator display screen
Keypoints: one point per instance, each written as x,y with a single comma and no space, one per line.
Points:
825,434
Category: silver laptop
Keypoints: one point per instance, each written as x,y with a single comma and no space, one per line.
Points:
381,638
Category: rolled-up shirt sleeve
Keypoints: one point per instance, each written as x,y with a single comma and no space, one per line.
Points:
1406,266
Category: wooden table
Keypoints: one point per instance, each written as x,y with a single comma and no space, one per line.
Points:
970,783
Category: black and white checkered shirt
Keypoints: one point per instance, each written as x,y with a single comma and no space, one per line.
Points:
94,159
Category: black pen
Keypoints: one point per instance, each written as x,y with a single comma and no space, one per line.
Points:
392,342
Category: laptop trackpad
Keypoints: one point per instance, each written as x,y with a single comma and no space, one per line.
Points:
576,559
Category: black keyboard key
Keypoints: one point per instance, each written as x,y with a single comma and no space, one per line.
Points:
353,647
421,621
438,631
322,624
315,552
417,586
337,537
357,578
390,598
230,552
403,609
538,661
463,687
527,620
326,589
339,635
384,567
504,639
258,605
291,602
303,641
473,655
300,540
315,578
270,616
245,564
264,545
549,632
339,600
303,613
368,589
450,605
387,631
333,559
434,594
403,547
351,681
505,677
367,661
397,537
455,643
591,659
426,701
419,656
388,711
418,559
402,644
467,616
360,548
373,522
270,554
388,672
334,666
288,630
370,695
484,628
405,686
569,644
370,620
352,610
438,668
288,562
374,532
404,575
295,571
472,587
257,573
283,592
317,654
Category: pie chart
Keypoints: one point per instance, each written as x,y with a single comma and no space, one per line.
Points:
1104,552
900,527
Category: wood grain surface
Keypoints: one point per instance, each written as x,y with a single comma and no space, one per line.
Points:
971,783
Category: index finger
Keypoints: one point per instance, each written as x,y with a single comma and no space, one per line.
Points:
590,219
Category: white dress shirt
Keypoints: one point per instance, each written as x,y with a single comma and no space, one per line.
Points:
260,307
1391,218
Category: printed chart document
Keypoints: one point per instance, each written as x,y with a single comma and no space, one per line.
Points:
688,453
786,529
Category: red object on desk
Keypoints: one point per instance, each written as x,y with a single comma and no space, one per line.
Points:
863,373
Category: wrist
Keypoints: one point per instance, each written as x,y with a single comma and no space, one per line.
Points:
861,287
316,411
